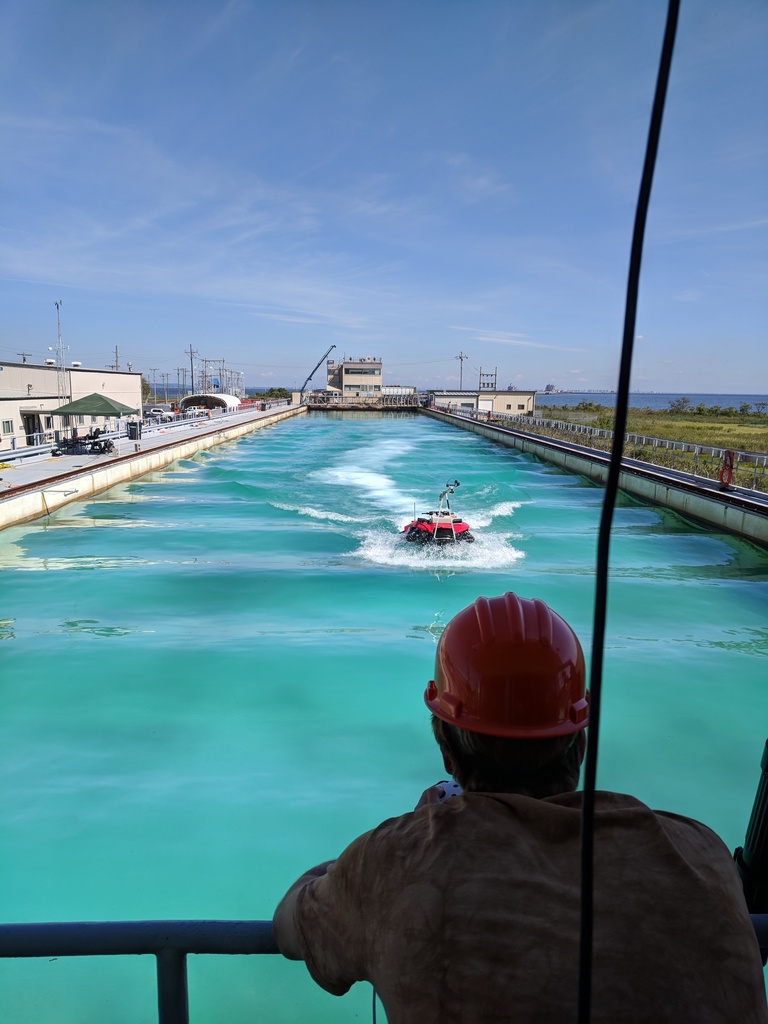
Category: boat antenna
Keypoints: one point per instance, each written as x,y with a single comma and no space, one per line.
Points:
609,504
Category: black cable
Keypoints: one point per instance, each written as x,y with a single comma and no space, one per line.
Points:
606,518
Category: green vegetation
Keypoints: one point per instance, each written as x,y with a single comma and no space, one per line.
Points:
744,429
277,393
664,437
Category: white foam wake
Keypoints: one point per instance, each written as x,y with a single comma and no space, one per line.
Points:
487,553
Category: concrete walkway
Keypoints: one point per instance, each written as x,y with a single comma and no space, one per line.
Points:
36,486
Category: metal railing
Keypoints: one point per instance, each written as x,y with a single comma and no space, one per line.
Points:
749,469
48,440
332,400
169,941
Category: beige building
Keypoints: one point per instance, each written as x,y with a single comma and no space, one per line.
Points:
355,378
30,393
513,403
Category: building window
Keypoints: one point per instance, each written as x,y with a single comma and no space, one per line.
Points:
508,405
49,422
521,407
7,426
81,420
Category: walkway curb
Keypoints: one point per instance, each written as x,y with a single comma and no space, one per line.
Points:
735,511
35,500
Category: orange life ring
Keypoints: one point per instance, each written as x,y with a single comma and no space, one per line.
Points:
726,470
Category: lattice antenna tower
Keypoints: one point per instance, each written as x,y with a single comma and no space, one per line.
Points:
61,373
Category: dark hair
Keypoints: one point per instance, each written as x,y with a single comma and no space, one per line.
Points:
498,764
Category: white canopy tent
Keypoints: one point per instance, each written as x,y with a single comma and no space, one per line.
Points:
217,401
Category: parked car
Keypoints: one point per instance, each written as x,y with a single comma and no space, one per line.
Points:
159,415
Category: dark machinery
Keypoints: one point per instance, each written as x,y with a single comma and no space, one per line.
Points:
309,378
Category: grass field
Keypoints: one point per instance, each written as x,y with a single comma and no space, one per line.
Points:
666,434
746,433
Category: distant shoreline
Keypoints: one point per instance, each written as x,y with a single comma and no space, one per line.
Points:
654,400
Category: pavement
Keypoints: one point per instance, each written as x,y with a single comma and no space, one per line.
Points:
39,471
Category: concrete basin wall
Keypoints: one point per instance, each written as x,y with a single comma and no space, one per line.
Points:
42,497
731,511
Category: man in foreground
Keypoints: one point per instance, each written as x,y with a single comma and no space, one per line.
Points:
467,909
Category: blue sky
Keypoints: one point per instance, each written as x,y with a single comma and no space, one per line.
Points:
415,181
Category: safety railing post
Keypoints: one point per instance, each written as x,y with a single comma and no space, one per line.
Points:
172,997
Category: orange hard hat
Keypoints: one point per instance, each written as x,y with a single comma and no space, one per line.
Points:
509,666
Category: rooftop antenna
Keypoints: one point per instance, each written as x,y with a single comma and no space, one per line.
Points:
61,381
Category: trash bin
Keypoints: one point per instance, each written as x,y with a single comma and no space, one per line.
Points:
263,406
134,431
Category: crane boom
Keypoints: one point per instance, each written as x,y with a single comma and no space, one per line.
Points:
309,378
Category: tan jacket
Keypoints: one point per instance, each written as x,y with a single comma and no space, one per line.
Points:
468,911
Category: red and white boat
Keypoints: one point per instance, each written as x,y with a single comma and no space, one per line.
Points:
440,527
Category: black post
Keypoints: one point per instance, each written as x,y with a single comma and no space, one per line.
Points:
172,998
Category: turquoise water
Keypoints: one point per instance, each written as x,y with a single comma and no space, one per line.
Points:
212,679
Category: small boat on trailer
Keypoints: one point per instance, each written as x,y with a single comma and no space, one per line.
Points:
440,527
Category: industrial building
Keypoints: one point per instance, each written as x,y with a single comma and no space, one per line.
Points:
355,378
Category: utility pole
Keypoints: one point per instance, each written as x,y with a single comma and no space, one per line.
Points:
487,380
23,356
117,359
461,357
192,353
164,378
153,370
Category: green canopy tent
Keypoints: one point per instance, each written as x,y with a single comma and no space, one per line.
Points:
93,405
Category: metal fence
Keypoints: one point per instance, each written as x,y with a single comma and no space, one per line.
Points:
169,941
747,469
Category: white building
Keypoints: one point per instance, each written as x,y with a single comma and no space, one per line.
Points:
514,403
30,393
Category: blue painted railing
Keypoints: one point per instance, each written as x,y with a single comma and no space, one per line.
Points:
169,941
